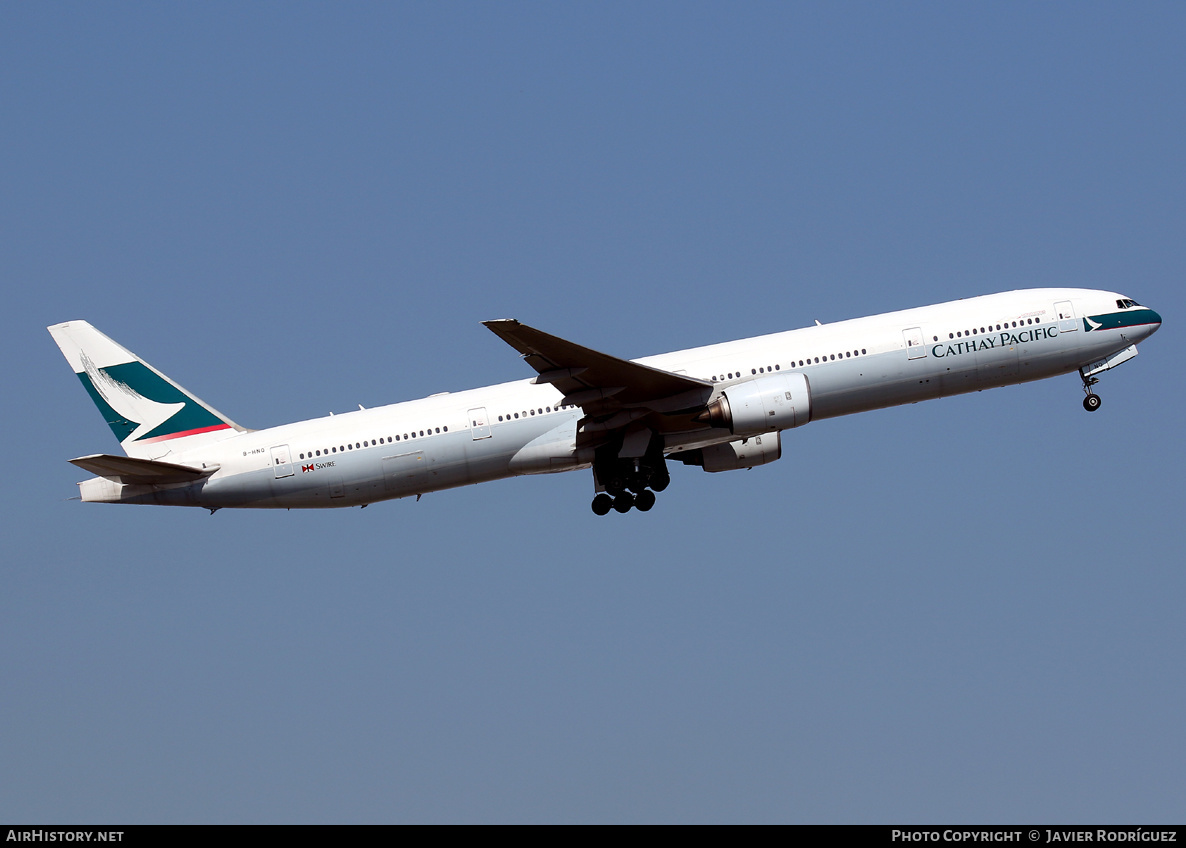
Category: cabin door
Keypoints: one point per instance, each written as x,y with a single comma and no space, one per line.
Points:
915,349
281,461
1066,316
479,423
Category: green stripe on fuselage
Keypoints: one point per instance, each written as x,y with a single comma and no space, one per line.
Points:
1116,320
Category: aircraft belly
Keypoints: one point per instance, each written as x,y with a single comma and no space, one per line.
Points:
442,462
552,450
873,382
998,366
248,489
445,462
889,379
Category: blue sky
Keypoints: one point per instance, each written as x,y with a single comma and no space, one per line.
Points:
963,610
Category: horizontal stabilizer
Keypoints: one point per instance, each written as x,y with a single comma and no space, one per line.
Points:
128,469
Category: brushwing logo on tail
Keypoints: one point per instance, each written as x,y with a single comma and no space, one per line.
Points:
122,393
129,405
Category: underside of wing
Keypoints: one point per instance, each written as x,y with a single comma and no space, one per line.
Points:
151,472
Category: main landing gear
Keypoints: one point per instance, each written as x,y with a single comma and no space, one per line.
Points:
1092,402
643,501
629,483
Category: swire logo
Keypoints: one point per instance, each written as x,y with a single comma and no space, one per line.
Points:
305,468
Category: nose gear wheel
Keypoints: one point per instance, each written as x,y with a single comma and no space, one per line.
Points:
1092,402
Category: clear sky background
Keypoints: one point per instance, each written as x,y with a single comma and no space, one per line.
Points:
966,610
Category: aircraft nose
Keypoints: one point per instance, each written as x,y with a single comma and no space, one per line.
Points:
1155,322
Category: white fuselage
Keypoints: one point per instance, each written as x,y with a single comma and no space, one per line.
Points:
483,434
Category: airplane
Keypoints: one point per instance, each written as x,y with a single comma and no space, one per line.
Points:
721,407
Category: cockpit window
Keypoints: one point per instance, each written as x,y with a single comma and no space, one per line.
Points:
1125,303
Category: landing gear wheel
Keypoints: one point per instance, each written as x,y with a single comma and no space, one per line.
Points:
623,502
661,482
643,501
1092,402
602,504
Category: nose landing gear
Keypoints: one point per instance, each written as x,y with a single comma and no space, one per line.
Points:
1092,402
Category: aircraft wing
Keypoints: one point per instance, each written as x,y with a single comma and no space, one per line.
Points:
129,469
599,383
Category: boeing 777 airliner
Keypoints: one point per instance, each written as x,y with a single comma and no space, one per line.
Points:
720,407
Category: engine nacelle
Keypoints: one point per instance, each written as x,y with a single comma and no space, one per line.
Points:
765,405
731,456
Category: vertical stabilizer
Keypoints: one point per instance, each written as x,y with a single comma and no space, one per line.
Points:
149,413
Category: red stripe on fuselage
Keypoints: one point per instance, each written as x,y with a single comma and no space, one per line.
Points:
209,429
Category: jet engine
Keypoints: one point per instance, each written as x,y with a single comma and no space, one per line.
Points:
731,456
765,405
